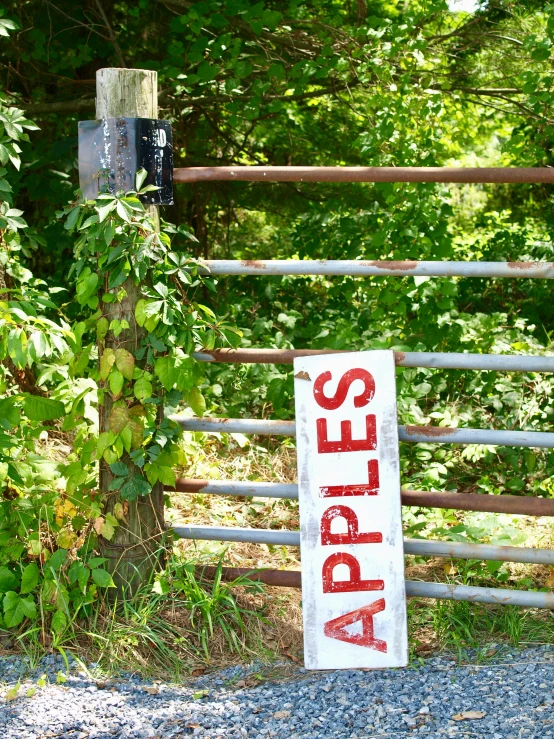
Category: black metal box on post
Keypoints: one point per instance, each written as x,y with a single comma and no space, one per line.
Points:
113,150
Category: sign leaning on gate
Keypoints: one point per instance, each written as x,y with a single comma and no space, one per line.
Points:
353,591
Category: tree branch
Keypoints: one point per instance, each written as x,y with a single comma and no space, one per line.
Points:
490,92
113,37
62,106
78,22
78,106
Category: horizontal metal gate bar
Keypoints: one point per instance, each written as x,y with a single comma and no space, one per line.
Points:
237,534
495,596
453,360
364,174
232,487
237,425
513,504
355,268
419,547
414,589
413,434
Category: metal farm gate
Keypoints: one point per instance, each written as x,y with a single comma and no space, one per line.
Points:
410,434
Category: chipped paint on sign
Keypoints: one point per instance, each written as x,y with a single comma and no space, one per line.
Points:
353,589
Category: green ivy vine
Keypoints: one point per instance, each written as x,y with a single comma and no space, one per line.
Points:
143,361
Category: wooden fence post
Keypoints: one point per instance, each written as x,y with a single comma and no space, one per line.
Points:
134,552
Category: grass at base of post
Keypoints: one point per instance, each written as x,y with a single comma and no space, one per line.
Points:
179,624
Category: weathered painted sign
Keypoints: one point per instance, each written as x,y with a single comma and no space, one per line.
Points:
112,151
353,591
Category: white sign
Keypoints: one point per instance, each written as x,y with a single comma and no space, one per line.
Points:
353,591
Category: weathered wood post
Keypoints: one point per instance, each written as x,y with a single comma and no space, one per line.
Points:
134,552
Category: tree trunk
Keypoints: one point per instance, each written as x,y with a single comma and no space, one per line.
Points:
135,550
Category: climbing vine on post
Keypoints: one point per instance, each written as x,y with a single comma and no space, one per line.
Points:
143,366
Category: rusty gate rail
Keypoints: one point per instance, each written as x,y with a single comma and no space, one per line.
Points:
506,175
433,360
512,504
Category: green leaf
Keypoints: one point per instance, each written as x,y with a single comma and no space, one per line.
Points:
165,370
8,580
59,622
207,71
540,54
72,218
116,381
142,389
16,609
39,409
135,486
112,520
141,175
197,401
102,329
107,361
125,363
123,211
38,345
107,531
66,539
12,693
126,436
105,210
140,315
57,559
104,442
118,326
83,576
29,578
102,578
166,476
161,586
97,562
119,469
87,287
10,415
89,222
119,418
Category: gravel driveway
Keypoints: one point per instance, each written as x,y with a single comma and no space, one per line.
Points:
508,697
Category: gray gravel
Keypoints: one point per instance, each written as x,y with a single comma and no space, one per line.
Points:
514,690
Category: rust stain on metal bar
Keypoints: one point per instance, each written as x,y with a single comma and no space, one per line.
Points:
277,578
366,174
266,356
430,431
186,485
276,356
397,266
254,263
529,265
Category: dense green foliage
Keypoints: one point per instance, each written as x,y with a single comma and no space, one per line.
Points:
280,82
